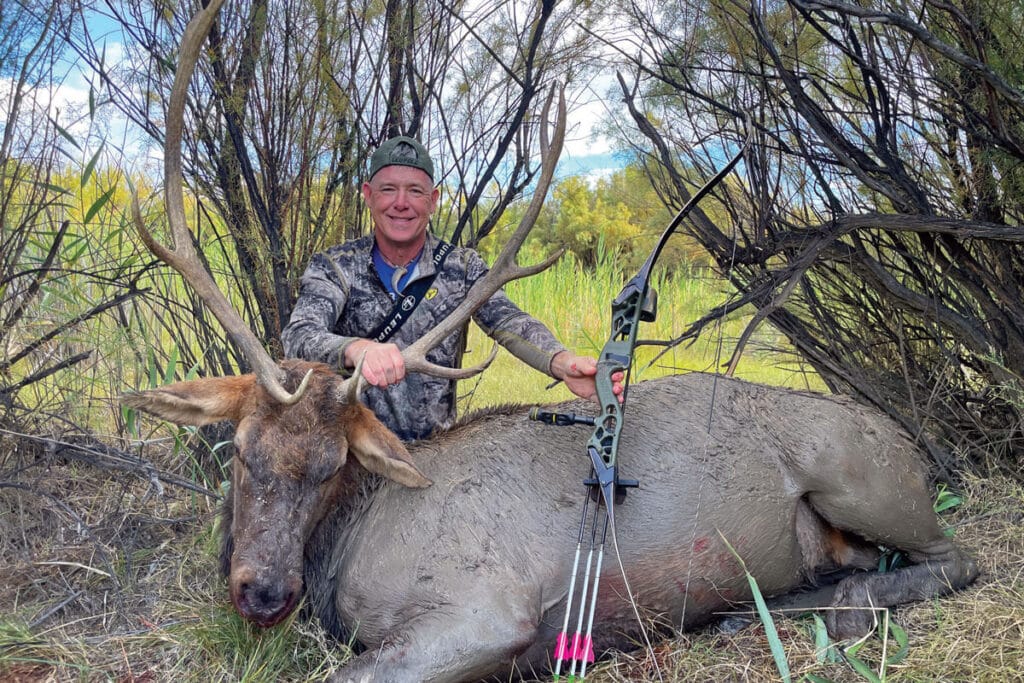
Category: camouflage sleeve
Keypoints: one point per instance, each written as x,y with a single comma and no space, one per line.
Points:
526,338
323,292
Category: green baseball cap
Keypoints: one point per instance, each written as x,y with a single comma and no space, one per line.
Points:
401,151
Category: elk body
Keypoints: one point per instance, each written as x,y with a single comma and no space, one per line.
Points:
468,577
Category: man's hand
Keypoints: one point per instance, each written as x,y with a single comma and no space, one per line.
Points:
383,364
578,373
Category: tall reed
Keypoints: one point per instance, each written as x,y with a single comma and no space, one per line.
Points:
576,305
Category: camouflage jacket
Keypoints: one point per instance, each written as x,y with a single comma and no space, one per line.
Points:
341,299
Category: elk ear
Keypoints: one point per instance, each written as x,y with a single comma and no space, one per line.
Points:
196,402
380,451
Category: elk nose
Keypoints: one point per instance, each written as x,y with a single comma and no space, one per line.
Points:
265,603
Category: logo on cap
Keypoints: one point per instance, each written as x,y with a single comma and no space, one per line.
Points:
403,154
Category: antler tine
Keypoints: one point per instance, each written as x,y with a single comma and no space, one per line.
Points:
505,268
183,257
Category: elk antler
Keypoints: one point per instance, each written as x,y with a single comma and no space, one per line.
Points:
505,268
183,256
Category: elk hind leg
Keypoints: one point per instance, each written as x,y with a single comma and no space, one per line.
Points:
886,500
941,570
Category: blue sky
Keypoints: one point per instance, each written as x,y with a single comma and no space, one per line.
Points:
585,153
590,164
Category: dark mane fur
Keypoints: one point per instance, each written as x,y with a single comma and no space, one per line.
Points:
480,413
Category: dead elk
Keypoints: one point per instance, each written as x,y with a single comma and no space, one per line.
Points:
468,577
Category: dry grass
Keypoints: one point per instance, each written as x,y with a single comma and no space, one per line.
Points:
106,579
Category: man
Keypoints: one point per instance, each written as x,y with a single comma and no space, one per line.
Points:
348,293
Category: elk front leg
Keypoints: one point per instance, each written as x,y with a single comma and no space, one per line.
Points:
446,644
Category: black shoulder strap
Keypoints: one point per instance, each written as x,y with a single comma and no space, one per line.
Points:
411,299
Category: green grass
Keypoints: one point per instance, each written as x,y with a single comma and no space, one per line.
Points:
576,306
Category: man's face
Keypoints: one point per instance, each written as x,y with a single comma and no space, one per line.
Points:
401,199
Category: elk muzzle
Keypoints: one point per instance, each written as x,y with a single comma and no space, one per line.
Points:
264,597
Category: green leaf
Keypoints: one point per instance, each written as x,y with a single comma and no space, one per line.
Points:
113,235
945,499
863,669
64,134
821,641
900,636
89,167
193,371
130,424
48,186
889,561
98,204
778,653
75,248
172,365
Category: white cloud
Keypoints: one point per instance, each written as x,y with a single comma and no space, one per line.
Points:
588,152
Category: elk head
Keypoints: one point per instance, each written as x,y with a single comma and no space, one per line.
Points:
289,470
296,422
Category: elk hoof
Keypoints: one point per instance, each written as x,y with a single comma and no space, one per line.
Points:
850,623
851,615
